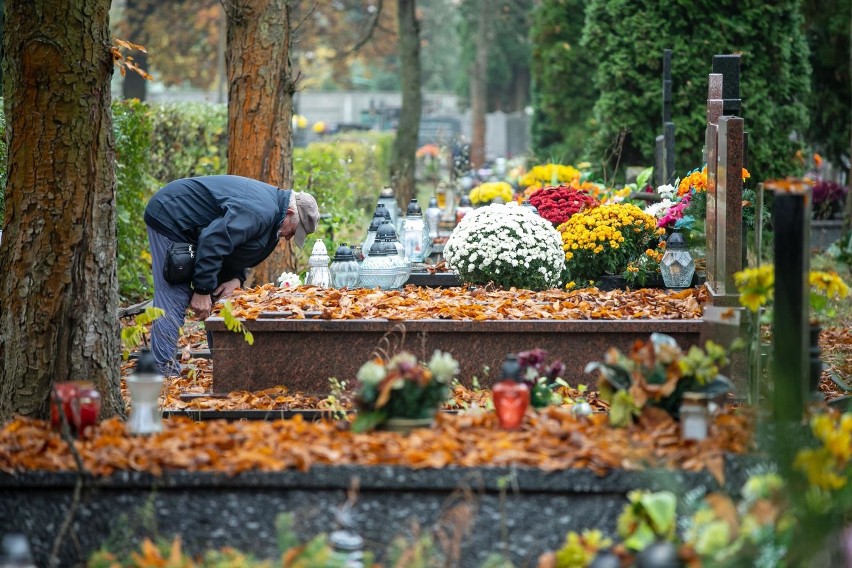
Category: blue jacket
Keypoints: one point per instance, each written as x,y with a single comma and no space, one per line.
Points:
232,220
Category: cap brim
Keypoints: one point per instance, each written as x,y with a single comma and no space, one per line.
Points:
299,237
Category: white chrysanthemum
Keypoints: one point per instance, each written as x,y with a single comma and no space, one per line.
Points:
371,373
289,280
443,366
667,191
506,244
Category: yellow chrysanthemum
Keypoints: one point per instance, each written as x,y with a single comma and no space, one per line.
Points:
828,283
819,467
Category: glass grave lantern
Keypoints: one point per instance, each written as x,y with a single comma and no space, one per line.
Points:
344,268
464,208
371,235
416,242
145,384
677,266
433,217
387,235
379,269
387,199
318,275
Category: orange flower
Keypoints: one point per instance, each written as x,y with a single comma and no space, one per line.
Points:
817,160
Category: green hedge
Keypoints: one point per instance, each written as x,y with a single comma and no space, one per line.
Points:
563,98
623,40
156,144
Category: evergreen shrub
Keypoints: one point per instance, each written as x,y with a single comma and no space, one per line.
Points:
627,40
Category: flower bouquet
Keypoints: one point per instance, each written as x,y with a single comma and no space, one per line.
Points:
508,245
757,286
829,198
658,373
541,377
604,240
489,191
402,387
558,204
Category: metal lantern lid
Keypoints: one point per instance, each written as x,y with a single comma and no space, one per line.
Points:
433,202
381,212
146,363
413,208
374,224
676,241
343,253
465,201
379,249
385,233
386,192
511,368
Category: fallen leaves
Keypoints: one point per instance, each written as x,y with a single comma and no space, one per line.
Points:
551,439
478,304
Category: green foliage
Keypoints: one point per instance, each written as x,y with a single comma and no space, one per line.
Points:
648,517
827,29
234,324
189,139
562,98
628,39
132,127
345,176
133,335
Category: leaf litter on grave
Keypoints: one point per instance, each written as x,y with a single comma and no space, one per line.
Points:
551,440
465,304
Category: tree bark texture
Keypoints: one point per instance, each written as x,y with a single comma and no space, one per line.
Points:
58,284
479,87
405,143
260,106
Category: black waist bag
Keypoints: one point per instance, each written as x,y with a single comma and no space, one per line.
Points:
180,262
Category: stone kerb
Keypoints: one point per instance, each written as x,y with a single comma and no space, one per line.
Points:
303,354
210,510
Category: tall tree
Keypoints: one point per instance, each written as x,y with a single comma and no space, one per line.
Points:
58,286
479,84
260,105
405,144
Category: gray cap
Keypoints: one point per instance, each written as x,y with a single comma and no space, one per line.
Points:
308,216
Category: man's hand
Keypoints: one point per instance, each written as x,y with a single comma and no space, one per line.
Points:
226,289
202,305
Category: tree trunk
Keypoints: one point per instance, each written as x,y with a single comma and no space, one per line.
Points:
260,107
479,88
405,144
58,284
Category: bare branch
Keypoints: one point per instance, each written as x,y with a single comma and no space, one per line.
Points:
368,34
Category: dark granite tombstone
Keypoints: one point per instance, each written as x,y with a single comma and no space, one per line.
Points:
669,133
659,160
729,67
791,209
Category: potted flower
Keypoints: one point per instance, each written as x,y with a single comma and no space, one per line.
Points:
489,191
658,373
541,377
604,240
507,245
401,393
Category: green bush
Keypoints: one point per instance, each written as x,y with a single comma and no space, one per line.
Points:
562,97
132,126
188,140
345,175
627,40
